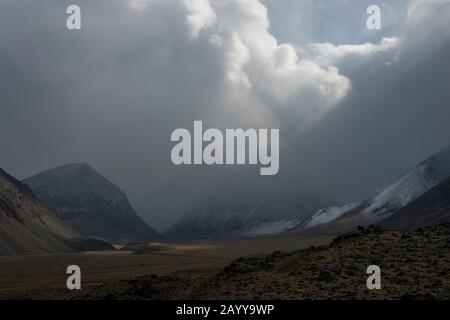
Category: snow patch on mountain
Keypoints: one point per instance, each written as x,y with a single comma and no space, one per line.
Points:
249,218
271,228
328,214
389,200
410,186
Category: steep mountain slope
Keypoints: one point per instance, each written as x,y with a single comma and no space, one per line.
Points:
394,197
431,208
27,227
326,215
410,186
90,203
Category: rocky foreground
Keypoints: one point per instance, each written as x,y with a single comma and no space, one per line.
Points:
414,265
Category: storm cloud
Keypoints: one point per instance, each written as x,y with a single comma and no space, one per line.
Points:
352,115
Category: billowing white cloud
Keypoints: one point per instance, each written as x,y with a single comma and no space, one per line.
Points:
427,25
429,17
200,15
424,28
259,73
272,83
111,93
329,54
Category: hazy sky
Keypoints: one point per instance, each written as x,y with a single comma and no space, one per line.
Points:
355,107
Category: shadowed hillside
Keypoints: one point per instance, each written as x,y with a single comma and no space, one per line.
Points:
414,265
90,204
25,225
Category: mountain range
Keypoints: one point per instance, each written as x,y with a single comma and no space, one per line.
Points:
73,207
420,187
274,216
243,218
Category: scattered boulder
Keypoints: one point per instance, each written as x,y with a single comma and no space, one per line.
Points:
326,275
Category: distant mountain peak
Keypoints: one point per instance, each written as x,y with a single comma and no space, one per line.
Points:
76,167
90,203
69,170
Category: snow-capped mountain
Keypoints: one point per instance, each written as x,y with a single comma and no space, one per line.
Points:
410,186
389,200
431,208
90,203
277,216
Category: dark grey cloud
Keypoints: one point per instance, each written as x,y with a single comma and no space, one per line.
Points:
111,94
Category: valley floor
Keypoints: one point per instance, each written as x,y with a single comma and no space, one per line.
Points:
414,265
44,276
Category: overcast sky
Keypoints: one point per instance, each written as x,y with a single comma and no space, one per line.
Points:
355,107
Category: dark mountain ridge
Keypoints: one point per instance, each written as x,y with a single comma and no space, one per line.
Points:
90,203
